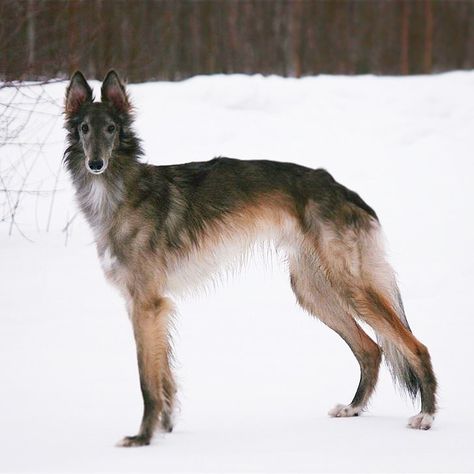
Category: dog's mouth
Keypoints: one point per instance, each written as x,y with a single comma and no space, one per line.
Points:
96,166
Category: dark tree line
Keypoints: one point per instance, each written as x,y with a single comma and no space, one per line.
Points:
175,39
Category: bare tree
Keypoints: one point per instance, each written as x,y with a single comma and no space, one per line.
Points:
23,106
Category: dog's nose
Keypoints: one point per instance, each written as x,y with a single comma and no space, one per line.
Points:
96,165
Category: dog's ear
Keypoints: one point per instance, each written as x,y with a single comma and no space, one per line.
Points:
77,94
113,92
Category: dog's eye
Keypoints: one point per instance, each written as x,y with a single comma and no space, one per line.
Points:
84,128
111,128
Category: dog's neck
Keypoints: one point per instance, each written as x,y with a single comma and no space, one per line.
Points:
100,196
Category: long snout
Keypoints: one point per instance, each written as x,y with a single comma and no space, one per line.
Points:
97,158
98,144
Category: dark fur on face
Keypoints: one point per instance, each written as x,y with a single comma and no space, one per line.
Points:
162,229
81,110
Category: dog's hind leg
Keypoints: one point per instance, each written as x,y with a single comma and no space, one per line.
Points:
150,320
169,394
368,355
314,293
354,260
410,359
377,301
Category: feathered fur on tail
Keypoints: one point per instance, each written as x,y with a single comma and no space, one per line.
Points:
397,363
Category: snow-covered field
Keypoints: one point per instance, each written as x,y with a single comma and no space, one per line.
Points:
256,374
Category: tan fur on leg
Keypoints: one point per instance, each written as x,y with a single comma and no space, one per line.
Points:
150,324
315,294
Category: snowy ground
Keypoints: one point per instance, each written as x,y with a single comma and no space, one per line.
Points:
257,375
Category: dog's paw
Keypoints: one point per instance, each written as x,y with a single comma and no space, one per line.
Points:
133,441
166,422
342,411
422,421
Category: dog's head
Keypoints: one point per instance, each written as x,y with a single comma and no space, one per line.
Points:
97,129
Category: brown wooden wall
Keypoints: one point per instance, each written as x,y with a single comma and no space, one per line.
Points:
175,39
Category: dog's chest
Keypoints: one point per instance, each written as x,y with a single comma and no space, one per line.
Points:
113,269
109,261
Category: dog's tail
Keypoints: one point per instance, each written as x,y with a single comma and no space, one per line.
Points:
382,308
397,363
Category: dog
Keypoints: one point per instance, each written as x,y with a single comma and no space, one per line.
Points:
159,230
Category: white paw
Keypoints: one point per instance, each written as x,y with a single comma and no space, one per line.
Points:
340,411
422,421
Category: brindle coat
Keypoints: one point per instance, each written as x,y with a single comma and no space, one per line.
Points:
161,229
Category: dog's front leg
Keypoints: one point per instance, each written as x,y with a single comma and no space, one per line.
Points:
151,328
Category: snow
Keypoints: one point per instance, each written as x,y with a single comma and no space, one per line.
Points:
257,375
